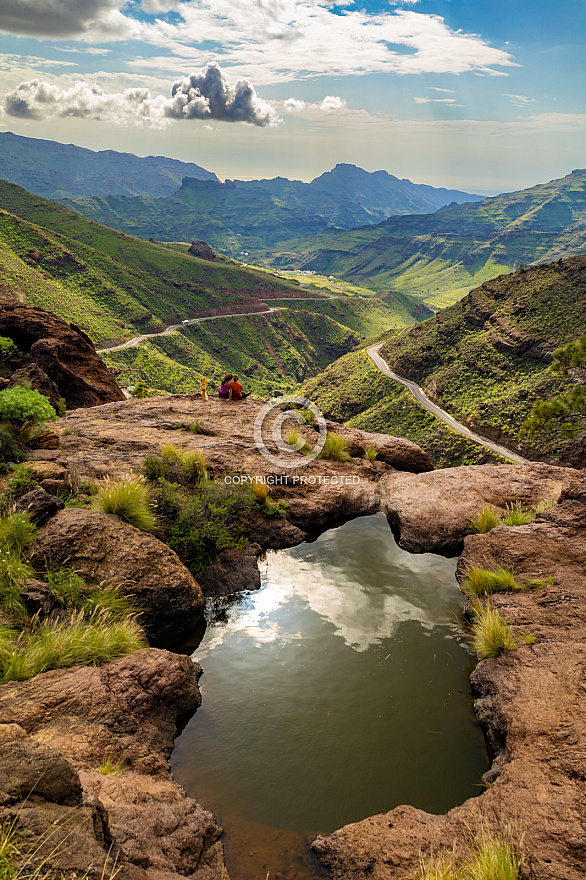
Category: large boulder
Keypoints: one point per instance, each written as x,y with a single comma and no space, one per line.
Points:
106,550
64,353
430,513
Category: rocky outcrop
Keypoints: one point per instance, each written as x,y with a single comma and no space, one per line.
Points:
202,250
530,702
232,571
62,351
108,551
399,453
33,375
430,513
128,712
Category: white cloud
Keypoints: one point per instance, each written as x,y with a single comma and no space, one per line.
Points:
293,105
447,91
205,95
434,100
270,41
519,100
332,104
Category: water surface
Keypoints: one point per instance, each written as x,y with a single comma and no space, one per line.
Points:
339,690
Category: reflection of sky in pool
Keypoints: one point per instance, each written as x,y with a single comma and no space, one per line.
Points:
337,690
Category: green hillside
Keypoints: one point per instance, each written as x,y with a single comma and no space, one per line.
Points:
116,287
439,257
484,359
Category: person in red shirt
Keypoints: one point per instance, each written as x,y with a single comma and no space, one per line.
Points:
236,389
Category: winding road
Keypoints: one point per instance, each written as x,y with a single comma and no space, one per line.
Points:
423,400
373,354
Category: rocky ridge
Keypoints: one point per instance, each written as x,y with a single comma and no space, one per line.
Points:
130,710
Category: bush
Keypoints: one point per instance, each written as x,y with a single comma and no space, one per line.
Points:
22,408
479,581
67,588
21,482
335,449
9,448
7,348
128,499
210,522
484,522
370,453
17,532
82,640
491,635
140,391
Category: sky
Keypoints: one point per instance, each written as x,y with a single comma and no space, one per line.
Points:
484,97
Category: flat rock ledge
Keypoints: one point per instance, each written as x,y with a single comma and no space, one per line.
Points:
531,703
57,729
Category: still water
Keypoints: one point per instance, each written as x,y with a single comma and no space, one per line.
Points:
340,689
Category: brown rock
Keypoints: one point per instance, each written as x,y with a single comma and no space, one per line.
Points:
47,470
401,454
126,711
39,505
65,354
202,250
44,440
34,376
233,571
108,550
431,512
32,769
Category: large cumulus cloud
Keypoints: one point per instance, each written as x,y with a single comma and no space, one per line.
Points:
205,95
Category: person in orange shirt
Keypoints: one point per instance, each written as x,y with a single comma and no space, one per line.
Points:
236,389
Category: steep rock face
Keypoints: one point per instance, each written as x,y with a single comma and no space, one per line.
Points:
125,711
62,351
530,702
430,513
107,550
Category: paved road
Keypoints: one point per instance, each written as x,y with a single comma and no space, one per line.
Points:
420,397
173,327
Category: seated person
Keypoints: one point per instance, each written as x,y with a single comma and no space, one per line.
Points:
225,386
236,389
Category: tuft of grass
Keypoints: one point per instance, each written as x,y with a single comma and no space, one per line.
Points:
8,849
480,580
183,466
493,858
21,482
110,768
111,602
14,573
370,453
67,588
89,640
296,441
335,448
193,464
128,499
491,634
440,867
516,516
484,522
261,492
17,532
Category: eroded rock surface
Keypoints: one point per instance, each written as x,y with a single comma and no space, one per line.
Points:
531,704
430,513
109,551
127,712
63,352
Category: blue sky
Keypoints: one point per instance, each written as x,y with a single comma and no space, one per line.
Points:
486,97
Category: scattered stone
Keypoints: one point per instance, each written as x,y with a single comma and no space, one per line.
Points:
39,505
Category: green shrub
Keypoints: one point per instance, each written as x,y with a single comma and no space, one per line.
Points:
17,532
81,640
67,588
140,391
491,635
261,493
128,499
7,348
166,498
10,450
480,580
210,522
23,408
335,448
21,482
370,453
484,522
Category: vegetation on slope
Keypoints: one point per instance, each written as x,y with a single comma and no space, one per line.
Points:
441,256
484,359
